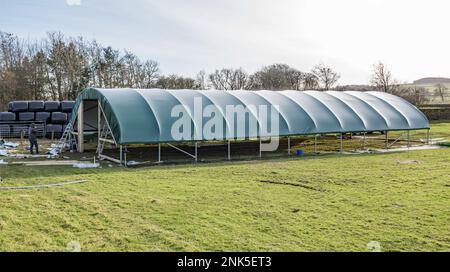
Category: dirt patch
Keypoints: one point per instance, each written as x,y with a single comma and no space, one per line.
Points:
408,162
293,184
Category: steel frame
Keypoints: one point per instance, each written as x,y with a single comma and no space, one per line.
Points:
123,148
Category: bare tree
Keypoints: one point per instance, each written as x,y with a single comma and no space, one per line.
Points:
440,90
310,82
220,79
175,82
150,73
239,80
230,79
415,95
201,80
59,67
326,76
382,78
278,77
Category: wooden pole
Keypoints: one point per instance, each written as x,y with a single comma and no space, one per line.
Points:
21,138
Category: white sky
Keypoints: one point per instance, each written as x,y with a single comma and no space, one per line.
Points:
411,37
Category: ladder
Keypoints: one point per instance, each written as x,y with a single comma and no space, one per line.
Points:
66,139
104,134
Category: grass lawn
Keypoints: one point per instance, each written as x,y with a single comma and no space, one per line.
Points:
401,200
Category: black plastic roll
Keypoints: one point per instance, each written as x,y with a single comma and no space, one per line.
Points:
35,106
67,106
20,106
59,117
55,128
7,116
26,116
51,106
43,116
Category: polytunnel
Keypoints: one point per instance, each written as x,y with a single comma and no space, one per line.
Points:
148,116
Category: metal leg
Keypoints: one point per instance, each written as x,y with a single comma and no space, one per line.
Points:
364,141
125,156
99,123
341,147
428,136
121,155
229,150
289,146
386,140
196,156
159,152
260,153
315,144
409,139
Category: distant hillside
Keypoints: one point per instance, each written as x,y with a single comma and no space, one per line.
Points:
432,81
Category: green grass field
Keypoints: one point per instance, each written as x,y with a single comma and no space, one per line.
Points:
337,203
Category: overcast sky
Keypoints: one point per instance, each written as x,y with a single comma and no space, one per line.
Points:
410,36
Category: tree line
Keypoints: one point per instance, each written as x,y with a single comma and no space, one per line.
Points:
59,67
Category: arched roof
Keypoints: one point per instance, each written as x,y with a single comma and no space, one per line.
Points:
144,115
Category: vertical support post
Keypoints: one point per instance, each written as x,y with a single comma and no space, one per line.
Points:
315,144
428,136
21,137
341,149
159,152
196,156
386,140
289,146
80,127
99,123
364,140
125,155
409,139
121,154
229,150
260,154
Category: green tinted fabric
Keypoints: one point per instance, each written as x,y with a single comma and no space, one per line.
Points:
144,115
